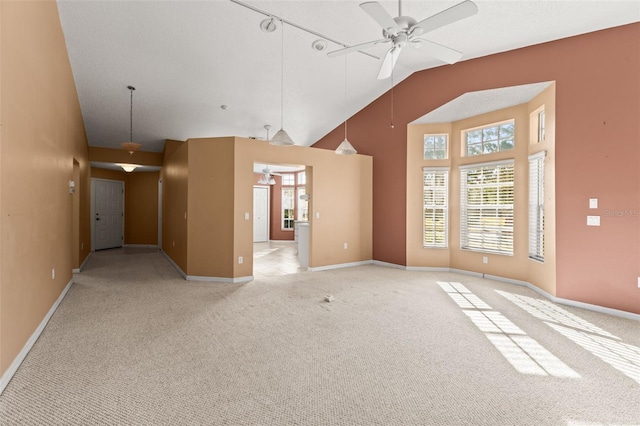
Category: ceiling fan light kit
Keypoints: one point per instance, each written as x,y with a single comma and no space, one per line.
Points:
131,146
128,167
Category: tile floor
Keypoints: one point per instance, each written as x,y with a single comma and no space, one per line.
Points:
275,258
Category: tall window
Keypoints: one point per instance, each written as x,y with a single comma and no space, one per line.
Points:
288,207
486,207
541,126
435,147
435,206
536,206
493,138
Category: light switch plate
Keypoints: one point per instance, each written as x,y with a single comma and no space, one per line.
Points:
593,203
246,216
593,220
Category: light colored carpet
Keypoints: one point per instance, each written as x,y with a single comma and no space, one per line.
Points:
134,344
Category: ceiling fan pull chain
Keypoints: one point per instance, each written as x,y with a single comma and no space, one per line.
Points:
392,99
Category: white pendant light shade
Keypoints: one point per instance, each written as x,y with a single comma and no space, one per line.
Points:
281,138
345,148
128,167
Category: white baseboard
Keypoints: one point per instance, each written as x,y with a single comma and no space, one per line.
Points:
174,264
389,265
339,266
219,279
464,272
203,278
427,269
77,270
152,246
8,375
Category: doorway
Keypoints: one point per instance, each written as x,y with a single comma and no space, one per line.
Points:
107,207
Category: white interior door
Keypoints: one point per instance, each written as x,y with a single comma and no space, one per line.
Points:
108,214
260,214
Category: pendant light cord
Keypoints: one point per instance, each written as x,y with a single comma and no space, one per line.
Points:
345,97
392,99
282,77
131,89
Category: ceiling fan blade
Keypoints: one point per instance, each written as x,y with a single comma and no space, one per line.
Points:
448,16
357,47
381,16
389,62
438,51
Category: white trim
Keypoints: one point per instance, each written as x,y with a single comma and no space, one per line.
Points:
78,270
174,264
339,265
389,265
464,272
436,169
426,269
204,278
151,246
219,279
8,375
486,164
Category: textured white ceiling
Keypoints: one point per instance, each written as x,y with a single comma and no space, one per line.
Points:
481,102
187,58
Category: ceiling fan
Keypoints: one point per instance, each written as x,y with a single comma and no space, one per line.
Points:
404,30
268,179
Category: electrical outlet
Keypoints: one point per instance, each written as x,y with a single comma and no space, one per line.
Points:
638,282
53,273
345,246
246,215
317,215
240,260
485,259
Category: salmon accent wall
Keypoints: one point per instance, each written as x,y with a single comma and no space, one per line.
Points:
597,153
42,225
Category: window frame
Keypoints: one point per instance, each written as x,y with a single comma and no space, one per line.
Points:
434,149
444,208
502,242
481,144
536,206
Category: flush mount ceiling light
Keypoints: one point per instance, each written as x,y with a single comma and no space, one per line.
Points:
131,146
128,167
281,137
345,148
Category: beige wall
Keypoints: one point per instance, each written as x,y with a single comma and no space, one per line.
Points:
220,191
210,207
110,155
42,133
340,188
174,176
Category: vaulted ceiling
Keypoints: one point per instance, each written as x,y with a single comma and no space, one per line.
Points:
188,58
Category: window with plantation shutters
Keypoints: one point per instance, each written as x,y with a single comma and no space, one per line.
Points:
435,195
536,206
486,207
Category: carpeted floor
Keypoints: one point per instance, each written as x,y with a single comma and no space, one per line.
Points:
134,344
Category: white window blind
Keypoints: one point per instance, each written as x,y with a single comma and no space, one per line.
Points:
536,206
486,207
435,206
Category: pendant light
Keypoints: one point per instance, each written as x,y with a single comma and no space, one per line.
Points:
281,137
131,146
345,148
